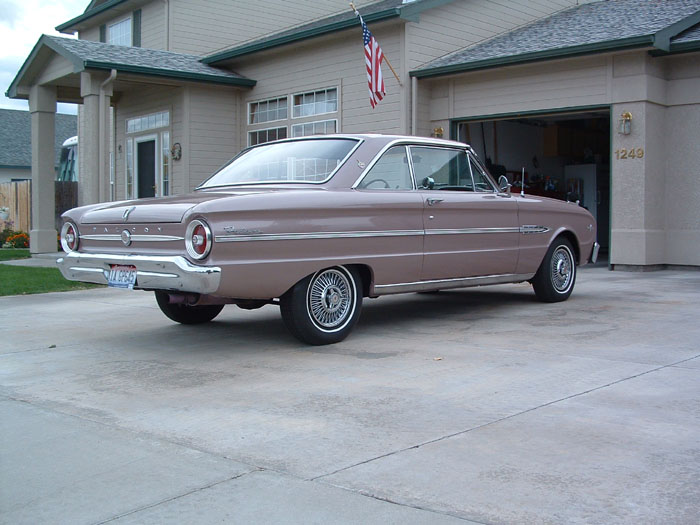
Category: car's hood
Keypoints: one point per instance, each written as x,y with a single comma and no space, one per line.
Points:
162,209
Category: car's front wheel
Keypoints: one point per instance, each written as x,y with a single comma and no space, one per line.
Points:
186,314
324,307
555,278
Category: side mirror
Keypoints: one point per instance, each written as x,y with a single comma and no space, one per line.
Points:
427,183
503,184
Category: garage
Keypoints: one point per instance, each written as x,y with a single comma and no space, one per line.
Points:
561,155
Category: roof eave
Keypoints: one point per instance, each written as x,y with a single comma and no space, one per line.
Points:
69,27
537,56
153,72
299,36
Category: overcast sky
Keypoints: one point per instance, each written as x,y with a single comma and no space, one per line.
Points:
22,22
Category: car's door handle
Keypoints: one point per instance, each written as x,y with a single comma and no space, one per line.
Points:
432,201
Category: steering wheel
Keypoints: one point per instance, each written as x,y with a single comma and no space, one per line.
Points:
381,181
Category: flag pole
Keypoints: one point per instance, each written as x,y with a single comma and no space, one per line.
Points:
386,58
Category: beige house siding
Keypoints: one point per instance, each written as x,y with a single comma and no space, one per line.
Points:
460,24
202,26
325,62
153,25
213,131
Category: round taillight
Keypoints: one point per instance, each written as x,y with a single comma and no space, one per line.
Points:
198,239
69,237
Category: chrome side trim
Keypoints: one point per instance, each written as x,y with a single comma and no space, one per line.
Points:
152,272
443,284
317,235
527,229
134,237
461,231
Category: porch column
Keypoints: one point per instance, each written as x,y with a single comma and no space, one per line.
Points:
94,145
89,141
42,106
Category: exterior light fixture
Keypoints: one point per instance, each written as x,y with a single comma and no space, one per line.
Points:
438,133
624,125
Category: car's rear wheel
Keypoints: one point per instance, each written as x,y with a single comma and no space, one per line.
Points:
555,278
324,307
186,314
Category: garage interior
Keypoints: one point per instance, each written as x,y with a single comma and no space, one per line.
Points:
562,155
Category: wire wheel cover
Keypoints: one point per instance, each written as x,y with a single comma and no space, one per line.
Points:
330,299
562,269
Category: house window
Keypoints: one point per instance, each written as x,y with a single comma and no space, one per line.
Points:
267,110
315,102
119,34
146,122
130,168
266,135
165,163
319,127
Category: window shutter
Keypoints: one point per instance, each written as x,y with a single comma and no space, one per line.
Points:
103,33
136,28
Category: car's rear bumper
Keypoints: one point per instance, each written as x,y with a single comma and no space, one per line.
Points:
594,253
152,272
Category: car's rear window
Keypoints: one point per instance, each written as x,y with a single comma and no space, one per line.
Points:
292,161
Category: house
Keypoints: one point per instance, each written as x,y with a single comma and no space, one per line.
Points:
598,98
16,143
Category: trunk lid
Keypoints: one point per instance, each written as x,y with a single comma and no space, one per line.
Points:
144,211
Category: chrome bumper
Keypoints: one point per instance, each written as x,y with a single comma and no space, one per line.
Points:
594,253
152,272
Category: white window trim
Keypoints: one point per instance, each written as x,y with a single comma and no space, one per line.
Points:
264,129
135,171
250,103
291,100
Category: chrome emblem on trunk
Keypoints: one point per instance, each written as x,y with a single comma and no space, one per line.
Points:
127,212
126,237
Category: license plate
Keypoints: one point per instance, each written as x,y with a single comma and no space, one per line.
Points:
122,276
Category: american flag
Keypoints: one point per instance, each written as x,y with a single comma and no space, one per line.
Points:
373,60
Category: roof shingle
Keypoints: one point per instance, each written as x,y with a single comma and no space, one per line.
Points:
591,26
16,136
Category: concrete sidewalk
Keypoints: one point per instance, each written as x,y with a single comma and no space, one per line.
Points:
44,260
474,406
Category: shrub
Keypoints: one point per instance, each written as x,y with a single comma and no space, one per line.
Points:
18,240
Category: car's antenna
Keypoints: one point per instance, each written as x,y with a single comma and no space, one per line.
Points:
522,187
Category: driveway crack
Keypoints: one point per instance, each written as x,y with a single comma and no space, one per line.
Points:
505,418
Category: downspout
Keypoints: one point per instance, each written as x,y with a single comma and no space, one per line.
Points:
102,192
414,105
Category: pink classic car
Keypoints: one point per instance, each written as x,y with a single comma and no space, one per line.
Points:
316,224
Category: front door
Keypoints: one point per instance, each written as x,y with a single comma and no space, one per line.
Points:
470,230
146,168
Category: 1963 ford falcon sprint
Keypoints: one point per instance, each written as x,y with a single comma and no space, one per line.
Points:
316,224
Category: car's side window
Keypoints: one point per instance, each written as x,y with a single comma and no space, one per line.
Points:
441,169
481,180
390,172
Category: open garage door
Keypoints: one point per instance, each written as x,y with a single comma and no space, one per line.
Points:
561,153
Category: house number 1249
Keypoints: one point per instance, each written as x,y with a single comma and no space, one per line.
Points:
632,153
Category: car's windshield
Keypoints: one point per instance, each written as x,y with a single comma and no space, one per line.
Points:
294,161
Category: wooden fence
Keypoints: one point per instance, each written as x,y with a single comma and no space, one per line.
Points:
17,196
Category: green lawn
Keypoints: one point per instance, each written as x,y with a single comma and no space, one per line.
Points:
20,280
8,254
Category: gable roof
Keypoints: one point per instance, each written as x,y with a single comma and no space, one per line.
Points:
16,137
85,54
589,28
375,12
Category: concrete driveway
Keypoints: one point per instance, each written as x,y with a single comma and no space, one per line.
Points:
479,406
